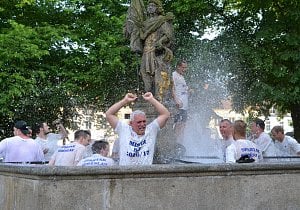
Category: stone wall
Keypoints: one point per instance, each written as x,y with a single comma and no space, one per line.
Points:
190,186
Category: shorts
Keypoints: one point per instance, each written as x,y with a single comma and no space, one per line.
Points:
181,116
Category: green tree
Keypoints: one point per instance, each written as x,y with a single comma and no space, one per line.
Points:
263,38
260,42
59,55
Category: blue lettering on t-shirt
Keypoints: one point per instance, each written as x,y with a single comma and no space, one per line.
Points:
67,148
134,144
251,152
138,154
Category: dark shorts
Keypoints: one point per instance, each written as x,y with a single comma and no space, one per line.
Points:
181,116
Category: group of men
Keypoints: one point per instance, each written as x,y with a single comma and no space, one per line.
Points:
236,147
22,148
136,140
48,147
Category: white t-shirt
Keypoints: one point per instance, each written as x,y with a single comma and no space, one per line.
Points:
134,149
180,89
69,155
288,147
17,149
240,148
51,143
263,141
223,144
96,160
116,146
115,150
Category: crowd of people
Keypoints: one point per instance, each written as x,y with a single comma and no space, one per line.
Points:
237,147
136,140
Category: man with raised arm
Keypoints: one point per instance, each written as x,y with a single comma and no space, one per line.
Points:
137,139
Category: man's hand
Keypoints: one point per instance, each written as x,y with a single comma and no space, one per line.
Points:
147,96
130,97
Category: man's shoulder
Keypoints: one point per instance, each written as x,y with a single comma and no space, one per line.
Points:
11,138
290,139
265,135
53,136
154,124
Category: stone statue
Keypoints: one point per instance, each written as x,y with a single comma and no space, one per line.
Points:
151,34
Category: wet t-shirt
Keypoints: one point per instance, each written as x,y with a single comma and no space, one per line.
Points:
17,149
96,160
69,155
288,147
134,149
241,148
180,89
52,143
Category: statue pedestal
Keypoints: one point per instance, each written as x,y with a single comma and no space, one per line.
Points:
165,142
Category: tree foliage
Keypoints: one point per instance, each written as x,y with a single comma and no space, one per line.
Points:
260,42
57,55
265,42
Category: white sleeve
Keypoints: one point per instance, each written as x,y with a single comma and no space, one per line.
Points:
294,145
230,154
264,142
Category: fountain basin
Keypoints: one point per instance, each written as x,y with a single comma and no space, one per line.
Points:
160,186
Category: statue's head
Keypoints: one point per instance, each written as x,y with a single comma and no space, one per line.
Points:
159,6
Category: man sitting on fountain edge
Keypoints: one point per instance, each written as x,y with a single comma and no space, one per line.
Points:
137,140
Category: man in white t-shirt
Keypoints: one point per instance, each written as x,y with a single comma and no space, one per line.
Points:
115,150
71,154
99,158
242,149
227,138
49,141
21,148
180,93
262,139
287,145
137,140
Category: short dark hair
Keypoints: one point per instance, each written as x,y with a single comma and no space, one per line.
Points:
278,129
36,127
260,123
98,145
180,62
81,133
226,120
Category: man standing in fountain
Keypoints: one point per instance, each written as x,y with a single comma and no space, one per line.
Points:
151,33
180,95
286,145
70,154
137,140
100,151
262,139
241,148
49,141
20,147
226,132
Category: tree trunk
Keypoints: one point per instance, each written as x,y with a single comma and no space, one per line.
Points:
295,112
